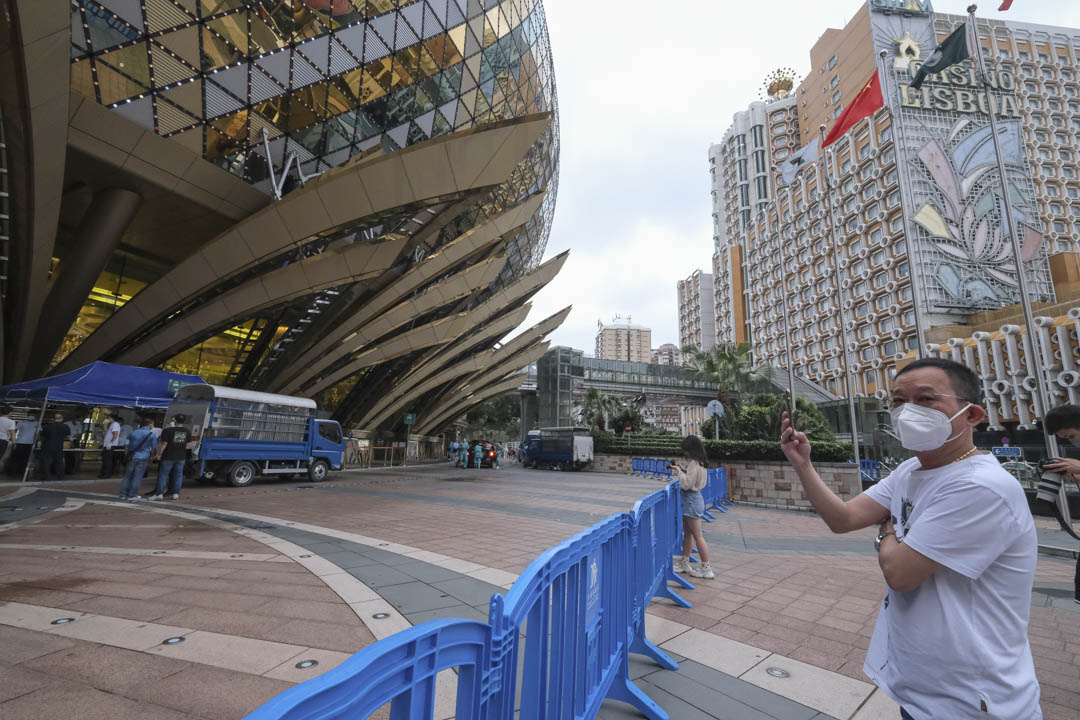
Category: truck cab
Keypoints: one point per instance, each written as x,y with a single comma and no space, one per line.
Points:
239,435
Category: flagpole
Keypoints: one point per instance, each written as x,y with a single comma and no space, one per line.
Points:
783,293
1035,359
827,199
910,241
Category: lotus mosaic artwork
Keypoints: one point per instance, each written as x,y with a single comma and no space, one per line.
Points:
967,223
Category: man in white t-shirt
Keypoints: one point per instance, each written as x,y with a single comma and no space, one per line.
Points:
957,548
111,441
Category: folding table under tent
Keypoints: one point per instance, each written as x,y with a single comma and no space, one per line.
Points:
99,384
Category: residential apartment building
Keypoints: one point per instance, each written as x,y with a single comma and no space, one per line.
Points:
742,186
623,341
667,354
697,311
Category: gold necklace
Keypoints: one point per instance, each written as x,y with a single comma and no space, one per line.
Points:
965,455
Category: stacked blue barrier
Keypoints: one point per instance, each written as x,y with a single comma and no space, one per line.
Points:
657,535
870,470
655,468
568,623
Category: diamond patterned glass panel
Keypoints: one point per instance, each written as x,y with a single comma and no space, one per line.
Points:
337,76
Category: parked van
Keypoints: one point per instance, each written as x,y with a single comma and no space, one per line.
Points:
239,435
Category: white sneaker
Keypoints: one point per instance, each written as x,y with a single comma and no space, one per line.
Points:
133,499
702,570
681,565
154,497
176,496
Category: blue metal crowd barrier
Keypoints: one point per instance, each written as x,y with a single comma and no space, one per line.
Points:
716,491
565,628
870,470
656,540
574,605
401,670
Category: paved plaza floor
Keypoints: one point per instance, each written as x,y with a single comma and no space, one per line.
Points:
258,581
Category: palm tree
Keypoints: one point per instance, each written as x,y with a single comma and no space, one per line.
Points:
598,407
728,366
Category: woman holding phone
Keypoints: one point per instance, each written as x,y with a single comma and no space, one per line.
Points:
693,476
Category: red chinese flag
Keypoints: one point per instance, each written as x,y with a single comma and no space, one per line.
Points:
865,103
1005,4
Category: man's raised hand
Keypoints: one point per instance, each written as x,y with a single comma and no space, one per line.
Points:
795,444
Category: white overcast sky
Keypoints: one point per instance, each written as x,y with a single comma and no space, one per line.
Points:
644,88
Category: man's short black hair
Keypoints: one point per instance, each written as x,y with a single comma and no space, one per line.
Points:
146,421
964,382
179,418
1061,418
5,409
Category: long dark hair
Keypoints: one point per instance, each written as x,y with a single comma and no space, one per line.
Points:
693,449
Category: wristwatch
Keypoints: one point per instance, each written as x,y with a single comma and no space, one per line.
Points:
879,538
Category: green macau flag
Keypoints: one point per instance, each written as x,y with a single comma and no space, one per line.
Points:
952,50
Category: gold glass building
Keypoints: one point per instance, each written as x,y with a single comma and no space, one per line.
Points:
343,199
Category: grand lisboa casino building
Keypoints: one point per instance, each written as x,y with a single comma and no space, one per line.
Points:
342,199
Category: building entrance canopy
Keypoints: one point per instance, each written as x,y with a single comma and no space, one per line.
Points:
102,384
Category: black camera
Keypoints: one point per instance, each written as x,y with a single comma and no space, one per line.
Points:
1049,481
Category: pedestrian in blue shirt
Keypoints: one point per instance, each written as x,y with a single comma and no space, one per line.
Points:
140,444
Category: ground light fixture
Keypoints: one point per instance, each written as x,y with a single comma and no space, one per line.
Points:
305,664
381,616
172,641
778,672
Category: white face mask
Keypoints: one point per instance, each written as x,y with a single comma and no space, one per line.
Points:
921,428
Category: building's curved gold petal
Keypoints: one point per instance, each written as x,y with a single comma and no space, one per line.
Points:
462,161
452,407
336,342
453,288
320,272
475,365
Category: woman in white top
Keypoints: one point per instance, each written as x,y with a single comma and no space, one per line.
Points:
693,476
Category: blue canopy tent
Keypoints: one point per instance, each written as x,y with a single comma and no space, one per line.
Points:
102,384
99,384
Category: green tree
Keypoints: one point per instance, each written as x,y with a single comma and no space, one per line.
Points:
599,409
497,419
760,418
628,415
728,366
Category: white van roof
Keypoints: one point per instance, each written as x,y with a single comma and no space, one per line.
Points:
208,392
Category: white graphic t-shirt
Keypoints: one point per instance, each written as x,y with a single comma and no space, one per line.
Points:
957,646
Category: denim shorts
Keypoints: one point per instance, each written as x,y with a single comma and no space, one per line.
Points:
693,504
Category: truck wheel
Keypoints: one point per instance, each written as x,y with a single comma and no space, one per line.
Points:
242,473
318,471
